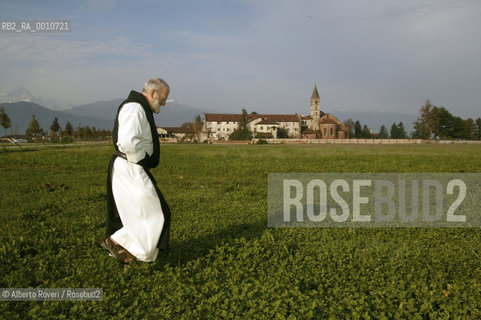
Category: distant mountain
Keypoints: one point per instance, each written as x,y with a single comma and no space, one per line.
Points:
20,114
99,114
173,114
101,109
374,120
21,94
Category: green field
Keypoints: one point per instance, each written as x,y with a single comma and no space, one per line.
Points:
225,262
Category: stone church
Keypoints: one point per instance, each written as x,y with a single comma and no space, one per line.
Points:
320,125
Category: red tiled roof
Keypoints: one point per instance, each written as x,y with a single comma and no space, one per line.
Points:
238,117
328,121
267,122
251,117
223,117
281,117
178,129
329,118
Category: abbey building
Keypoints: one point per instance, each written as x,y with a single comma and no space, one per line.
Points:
316,125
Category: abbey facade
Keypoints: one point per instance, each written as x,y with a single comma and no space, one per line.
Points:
317,125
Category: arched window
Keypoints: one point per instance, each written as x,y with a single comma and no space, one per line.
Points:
325,132
332,132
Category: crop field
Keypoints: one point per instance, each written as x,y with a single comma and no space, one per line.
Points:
224,261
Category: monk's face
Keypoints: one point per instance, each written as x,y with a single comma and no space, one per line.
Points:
158,98
162,96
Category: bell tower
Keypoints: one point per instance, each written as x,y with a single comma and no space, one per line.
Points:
315,108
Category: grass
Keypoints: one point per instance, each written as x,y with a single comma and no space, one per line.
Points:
224,261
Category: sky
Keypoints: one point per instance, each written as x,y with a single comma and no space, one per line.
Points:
264,55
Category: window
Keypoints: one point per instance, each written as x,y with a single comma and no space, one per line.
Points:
218,129
332,132
268,128
295,129
262,128
325,132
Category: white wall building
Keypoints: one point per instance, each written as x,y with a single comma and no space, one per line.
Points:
219,126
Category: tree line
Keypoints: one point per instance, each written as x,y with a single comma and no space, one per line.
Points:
358,131
56,133
433,123
438,123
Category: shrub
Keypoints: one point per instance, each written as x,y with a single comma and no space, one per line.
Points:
67,139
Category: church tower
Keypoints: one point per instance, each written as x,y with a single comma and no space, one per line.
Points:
315,108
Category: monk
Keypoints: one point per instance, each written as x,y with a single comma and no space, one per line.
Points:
138,217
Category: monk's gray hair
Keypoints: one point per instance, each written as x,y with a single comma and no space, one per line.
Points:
156,83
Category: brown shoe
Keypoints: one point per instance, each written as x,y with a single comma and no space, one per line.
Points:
117,251
123,255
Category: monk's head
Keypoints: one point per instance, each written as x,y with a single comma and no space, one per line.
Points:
156,92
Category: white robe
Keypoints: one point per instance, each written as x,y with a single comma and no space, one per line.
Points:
134,193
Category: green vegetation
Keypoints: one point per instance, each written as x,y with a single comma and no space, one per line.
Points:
242,132
438,123
398,131
224,261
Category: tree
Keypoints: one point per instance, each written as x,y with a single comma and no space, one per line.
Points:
478,128
4,120
78,132
423,127
55,126
242,132
469,132
357,130
54,129
350,125
458,128
442,121
394,131
282,133
68,128
401,132
33,128
190,131
187,125
87,133
383,134
366,133
197,126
